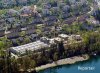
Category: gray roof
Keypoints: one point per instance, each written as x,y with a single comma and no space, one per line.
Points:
26,10
29,47
12,11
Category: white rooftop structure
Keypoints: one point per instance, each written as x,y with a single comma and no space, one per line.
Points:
52,41
28,47
63,36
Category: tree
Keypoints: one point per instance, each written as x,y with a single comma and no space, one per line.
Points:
27,40
55,56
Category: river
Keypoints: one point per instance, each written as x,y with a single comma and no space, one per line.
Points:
90,66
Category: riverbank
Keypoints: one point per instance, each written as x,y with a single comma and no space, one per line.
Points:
71,60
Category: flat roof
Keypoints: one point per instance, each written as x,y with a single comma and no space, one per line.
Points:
29,47
63,35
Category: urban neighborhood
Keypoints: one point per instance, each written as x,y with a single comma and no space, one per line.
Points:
36,33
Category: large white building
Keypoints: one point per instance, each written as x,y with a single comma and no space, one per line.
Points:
20,50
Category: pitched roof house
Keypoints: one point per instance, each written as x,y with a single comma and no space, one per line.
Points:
13,35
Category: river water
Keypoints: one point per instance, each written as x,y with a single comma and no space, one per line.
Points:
90,66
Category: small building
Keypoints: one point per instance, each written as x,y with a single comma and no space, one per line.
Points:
72,1
82,18
26,10
12,12
20,39
10,20
17,29
45,12
37,21
70,20
14,42
22,1
13,35
51,18
93,21
66,8
55,40
46,5
30,26
75,37
65,15
30,31
63,36
34,37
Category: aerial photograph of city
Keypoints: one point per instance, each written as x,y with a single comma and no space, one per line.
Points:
49,36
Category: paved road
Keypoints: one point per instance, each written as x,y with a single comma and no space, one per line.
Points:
91,10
